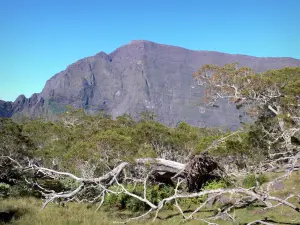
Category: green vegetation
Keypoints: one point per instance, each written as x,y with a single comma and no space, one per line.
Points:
154,193
76,138
28,212
4,189
90,146
251,180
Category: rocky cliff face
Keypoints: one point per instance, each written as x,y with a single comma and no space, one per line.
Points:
139,76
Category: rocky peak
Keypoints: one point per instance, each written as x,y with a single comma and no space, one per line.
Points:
21,99
139,76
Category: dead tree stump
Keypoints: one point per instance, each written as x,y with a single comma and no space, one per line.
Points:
199,170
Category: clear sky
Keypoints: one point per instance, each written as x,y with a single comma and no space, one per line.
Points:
39,38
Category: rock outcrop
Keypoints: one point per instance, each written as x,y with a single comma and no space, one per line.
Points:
139,76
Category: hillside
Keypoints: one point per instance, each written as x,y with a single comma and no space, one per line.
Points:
137,171
136,77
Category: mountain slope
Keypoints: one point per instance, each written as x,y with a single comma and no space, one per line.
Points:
139,76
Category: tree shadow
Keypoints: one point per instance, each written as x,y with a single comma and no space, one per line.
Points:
7,216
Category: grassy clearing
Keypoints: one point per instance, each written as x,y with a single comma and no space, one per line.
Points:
29,213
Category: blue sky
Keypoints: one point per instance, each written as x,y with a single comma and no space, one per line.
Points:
39,38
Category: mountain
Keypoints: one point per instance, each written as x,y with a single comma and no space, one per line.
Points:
139,76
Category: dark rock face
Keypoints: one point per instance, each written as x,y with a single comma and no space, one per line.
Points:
139,76
5,109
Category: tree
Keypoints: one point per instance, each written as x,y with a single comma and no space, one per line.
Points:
272,98
15,145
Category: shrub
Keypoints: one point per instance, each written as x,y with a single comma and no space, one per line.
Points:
69,184
262,178
250,180
215,184
20,190
155,194
4,189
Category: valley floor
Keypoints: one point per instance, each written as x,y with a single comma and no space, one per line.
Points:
28,212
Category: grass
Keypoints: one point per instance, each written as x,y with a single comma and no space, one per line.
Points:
30,213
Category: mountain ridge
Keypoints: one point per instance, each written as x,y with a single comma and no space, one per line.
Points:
138,76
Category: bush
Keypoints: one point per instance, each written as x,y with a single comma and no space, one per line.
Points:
250,180
262,178
215,184
4,189
209,185
20,190
154,193
68,183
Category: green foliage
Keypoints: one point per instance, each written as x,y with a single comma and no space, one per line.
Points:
4,189
100,143
147,116
15,144
287,78
250,180
28,213
154,193
205,142
125,120
158,192
216,184
76,138
189,203
69,184
20,189
12,141
103,142
209,185
97,137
